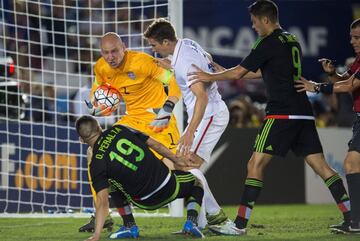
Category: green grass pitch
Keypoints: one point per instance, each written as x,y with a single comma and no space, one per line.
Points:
269,222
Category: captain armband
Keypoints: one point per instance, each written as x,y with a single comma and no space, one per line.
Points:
326,88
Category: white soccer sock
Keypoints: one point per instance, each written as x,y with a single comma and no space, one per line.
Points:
209,202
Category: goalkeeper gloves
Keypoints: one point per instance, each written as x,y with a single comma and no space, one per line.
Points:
162,119
99,110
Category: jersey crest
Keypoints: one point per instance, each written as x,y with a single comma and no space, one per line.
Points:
131,75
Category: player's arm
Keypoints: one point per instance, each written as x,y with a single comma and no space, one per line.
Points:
165,152
348,85
233,73
167,78
186,140
102,209
329,68
253,75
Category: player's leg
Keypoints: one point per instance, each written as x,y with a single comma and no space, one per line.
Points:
253,187
191,189
274,138
309,146
352,170
211,212
206,137
335,184
90,225
129,228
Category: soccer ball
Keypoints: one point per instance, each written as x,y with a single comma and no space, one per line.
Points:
108,98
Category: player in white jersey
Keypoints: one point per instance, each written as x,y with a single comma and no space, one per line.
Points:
208,115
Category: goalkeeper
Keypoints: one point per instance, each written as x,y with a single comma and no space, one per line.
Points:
122,159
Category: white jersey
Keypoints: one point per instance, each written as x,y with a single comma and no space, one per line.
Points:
188,52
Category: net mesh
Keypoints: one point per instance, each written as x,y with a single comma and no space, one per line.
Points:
47,50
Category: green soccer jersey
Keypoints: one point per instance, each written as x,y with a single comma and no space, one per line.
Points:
121,157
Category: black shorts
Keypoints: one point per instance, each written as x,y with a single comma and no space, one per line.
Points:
354,143
180,185
278,136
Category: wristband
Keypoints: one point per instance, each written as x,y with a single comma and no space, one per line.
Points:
326,88
168,106
357,75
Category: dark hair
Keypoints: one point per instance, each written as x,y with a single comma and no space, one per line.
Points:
159,30
265,8
355,24
86,126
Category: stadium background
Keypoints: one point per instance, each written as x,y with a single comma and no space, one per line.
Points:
228,36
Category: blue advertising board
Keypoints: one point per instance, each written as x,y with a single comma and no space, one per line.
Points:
43,168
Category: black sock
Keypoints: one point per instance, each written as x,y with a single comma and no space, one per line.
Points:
251,193
129,220
192,215
193,204
353,181
338,191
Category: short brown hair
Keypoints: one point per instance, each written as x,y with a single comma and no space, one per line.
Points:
159,30
87,127
265,8
355,24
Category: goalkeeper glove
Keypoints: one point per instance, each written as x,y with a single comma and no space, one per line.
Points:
99,110
162,119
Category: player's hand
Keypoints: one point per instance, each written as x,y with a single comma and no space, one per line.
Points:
328,65
100,110
217,67
92,238
185,144
163,63
185,163
163,117
199,75
305,85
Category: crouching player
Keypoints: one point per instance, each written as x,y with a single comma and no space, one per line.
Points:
122,159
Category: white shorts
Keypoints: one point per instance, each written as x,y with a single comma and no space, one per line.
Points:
209,132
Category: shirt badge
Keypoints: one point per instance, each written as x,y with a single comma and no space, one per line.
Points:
131,75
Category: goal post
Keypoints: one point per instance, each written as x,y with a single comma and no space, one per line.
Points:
176,19
47,50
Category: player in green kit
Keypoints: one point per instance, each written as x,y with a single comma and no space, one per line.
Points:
122,159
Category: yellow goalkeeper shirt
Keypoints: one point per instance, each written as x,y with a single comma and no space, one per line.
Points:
140,82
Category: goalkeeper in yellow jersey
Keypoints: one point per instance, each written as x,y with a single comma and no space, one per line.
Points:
140,81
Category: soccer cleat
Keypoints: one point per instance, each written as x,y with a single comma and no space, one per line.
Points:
218,218
228,228
90,226
125,232
342,225
345,229
192,229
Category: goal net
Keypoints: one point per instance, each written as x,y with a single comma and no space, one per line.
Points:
47,50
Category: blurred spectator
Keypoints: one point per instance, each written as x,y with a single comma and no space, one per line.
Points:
62,18
243,113
42,103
